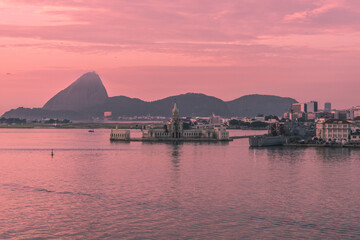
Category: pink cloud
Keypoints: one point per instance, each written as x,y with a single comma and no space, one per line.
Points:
246,44
324,7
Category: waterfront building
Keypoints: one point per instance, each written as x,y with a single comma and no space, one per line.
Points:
355,137
174,130
333,129
120,134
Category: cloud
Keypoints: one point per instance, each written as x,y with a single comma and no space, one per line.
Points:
115,22
304,15
208,31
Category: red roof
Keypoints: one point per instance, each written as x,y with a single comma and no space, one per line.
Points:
338,121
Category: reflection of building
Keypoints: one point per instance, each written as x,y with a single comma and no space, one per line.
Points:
174,130
333,129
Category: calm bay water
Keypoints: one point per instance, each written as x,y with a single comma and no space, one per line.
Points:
94,189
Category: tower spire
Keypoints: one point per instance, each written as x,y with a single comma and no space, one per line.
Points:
175,111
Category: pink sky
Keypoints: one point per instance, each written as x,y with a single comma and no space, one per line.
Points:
150,49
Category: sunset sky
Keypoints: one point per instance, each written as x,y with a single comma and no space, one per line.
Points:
150,49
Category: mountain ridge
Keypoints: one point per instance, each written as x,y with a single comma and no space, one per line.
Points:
87,98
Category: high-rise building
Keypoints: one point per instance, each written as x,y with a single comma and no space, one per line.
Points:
299,107
296,107
353,113
312,107
304,107
341,114
350,114
327,107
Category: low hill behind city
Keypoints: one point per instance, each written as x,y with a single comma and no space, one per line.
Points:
87,98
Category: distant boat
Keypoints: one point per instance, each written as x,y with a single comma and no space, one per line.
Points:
91,130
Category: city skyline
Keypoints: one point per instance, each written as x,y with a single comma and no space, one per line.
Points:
306,50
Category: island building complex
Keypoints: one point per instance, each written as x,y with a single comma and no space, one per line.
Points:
174,130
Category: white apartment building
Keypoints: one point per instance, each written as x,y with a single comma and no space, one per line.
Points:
333,129
312,107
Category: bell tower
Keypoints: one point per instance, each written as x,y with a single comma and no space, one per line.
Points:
175,112
175,125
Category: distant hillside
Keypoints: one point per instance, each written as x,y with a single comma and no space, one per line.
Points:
190,104
125,106
252,105
197,104
87,98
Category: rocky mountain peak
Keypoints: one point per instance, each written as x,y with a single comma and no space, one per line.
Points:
86,92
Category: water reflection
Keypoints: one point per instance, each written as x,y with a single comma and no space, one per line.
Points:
174,190
175,153
119,142
187,190
291,156
295,155
171,143
328,155
278,154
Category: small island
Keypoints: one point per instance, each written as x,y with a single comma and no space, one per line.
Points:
174,131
